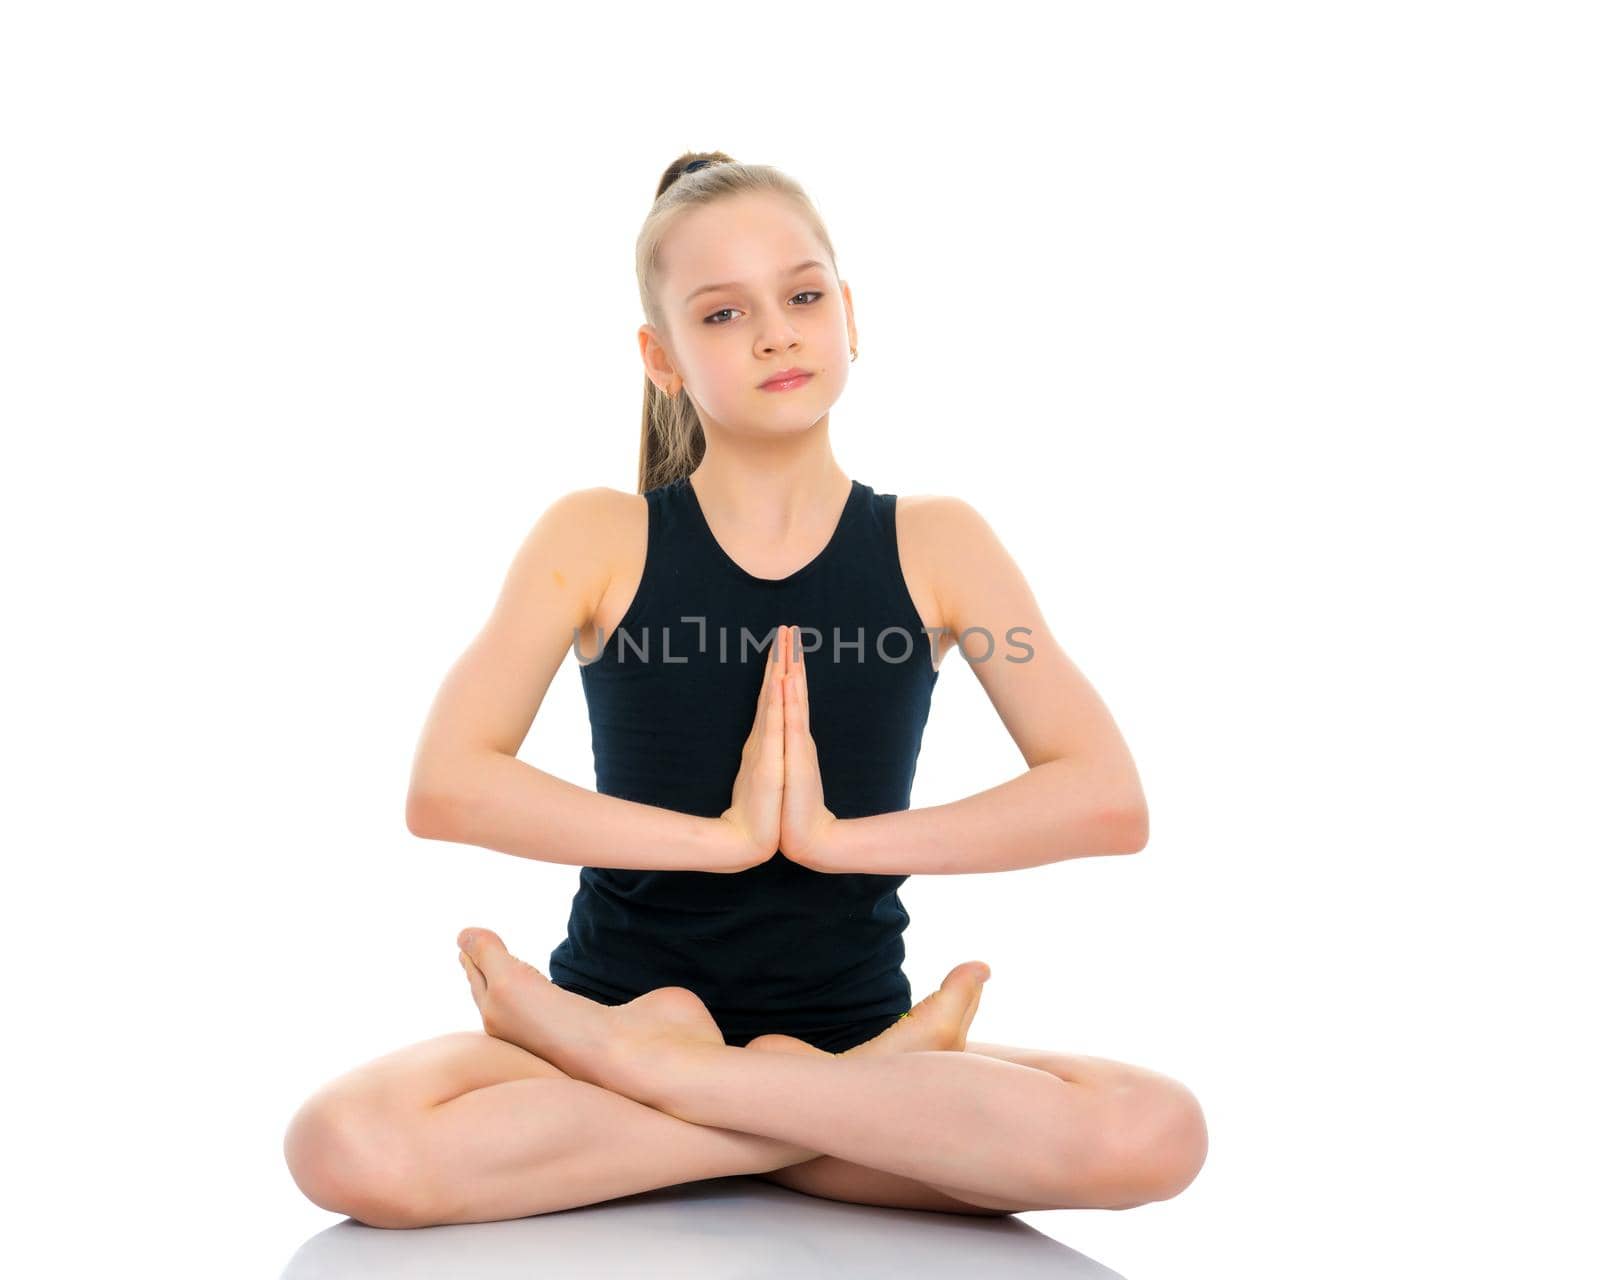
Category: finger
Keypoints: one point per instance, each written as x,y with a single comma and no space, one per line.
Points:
764,699
804,692
793,733
775,715
788,665
776,669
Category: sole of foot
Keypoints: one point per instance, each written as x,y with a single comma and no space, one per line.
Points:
618,1047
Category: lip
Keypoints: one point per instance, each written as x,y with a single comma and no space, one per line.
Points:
787,380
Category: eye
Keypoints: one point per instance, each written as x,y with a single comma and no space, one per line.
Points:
805,293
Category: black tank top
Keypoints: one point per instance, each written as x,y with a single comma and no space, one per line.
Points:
672,698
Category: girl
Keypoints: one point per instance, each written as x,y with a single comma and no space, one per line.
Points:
758,636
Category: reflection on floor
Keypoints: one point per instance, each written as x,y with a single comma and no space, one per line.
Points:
717,1229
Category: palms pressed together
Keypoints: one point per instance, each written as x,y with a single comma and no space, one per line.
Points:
777,796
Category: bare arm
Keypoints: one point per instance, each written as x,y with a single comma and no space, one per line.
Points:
467,784
1081,794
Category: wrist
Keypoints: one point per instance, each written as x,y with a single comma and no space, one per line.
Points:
729,848
831,847
822,852
722,843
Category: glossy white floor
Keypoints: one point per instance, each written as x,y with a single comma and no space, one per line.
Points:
725,1227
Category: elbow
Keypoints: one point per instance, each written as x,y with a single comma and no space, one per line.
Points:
1128,828
427,814
443,797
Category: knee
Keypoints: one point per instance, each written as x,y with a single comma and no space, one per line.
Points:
1143,1139
347,1159
1157,1143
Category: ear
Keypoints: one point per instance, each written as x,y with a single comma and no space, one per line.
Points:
657,359
849,312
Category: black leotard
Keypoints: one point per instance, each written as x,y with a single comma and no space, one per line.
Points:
672,698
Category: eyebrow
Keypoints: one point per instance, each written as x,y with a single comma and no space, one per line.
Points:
733,284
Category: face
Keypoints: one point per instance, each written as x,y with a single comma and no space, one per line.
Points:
760,318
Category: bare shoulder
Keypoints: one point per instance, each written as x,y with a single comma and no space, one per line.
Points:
933,531
954,555
604,531
938,515
596,504
577,525
568,560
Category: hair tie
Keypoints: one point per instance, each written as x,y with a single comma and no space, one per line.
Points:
696,164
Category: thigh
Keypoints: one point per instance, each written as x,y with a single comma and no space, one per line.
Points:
434,1071
445,1067
1079,1068
648,1149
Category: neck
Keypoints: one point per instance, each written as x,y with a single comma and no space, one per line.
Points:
771,493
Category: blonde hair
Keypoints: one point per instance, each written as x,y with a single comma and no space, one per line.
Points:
671,440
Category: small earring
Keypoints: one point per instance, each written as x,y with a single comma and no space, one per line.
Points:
852,355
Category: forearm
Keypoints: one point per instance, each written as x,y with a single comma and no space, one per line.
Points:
1056,810
500,802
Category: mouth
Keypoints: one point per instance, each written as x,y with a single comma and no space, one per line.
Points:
787,380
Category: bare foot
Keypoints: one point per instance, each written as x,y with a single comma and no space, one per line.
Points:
618,1047
937,1021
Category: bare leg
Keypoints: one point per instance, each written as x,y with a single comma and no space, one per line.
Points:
998,1129
469,1128
837,1179
939,1021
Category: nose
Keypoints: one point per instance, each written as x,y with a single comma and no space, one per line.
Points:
778,335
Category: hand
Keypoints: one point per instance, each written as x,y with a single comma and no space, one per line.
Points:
754,813
807,824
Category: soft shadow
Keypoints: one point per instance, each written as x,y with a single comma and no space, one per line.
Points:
721,1227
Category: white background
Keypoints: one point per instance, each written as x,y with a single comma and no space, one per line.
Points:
1264,335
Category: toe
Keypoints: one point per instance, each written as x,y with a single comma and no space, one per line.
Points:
967,1015
474,977
483,947
967,971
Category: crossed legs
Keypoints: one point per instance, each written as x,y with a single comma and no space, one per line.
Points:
471,1127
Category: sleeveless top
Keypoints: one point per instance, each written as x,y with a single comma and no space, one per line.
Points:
671,700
